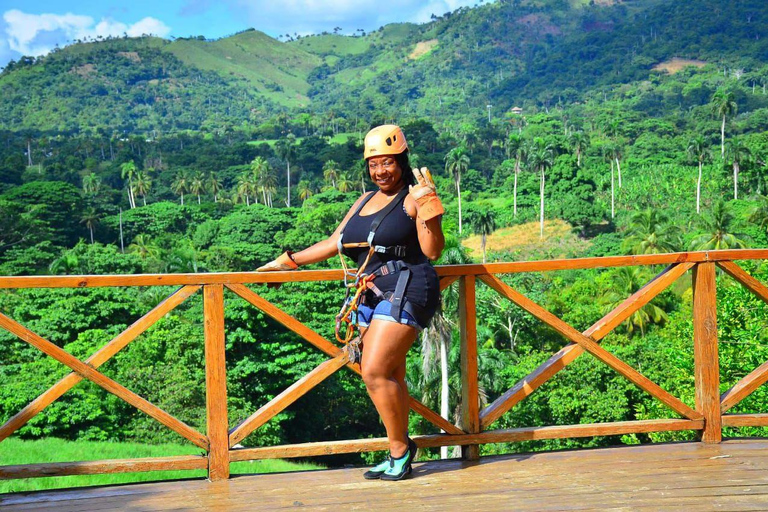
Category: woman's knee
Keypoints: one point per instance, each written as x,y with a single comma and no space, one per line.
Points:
375,376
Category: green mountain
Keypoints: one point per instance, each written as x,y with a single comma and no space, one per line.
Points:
506,53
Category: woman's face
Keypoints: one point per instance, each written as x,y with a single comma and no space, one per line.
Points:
385,172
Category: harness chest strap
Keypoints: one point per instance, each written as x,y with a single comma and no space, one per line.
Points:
397,250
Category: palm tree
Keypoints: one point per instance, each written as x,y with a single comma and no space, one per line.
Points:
540,158
214,186
456,163
259,168
578,141
607,151
127,171
142,185
723,104
144,247
483,222
331,172
739,153
698,150
268,184
346,183
246,186
651,233
759,214
627,280
91,219
517,147
91,183
304,190
180,184
617,152
197,185
286,150
718,231
67,263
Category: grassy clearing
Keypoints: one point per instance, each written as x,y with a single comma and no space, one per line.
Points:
273,68
14,451
339,138
422,48
332,44
524,243
676,64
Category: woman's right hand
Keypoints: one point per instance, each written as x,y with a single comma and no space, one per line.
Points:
283,262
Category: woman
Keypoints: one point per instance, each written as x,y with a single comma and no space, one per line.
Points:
393,233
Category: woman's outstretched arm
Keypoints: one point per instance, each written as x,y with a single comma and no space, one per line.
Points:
327,248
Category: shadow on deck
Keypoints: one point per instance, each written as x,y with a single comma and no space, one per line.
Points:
678,476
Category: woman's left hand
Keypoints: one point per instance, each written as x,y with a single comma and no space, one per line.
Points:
428,205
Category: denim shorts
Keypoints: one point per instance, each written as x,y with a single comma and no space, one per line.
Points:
382,311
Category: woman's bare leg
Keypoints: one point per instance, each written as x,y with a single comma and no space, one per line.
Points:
383,367
405,398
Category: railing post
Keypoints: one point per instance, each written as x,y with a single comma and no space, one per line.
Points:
705,351
216,383
470,407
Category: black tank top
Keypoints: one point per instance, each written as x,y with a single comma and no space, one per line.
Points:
397,228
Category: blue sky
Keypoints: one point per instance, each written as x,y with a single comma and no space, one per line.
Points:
35,27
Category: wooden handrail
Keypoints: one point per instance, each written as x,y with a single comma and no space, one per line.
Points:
707,417
228,278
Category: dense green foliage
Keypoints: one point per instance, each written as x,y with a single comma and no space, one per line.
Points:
183,170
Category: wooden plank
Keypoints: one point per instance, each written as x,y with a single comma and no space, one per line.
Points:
216,382
707,477
97,359
565,356
470,396
601,262
745,420
749,282
759,375
103,381
87,281
287,397
434,418
637,300
98,467
493,436
445,282
329,348
592,347
288,321
705,351
744,387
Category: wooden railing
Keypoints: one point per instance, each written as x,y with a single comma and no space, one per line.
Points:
707,417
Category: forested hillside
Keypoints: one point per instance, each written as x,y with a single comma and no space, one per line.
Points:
554,129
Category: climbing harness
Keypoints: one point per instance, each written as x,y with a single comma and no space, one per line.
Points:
357,282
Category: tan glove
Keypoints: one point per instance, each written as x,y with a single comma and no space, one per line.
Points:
283,262
428,204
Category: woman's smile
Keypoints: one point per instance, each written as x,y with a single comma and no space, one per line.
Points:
385,172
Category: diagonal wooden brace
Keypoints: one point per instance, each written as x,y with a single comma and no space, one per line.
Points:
330,349
565,356
100,357
759,375
298,389
592,347
98,378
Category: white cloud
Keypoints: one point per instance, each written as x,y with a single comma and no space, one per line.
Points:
37,34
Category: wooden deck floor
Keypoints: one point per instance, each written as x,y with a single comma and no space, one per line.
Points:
686,476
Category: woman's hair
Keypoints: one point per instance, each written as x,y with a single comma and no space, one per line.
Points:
405,167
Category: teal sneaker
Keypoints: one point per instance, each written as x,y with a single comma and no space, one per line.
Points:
400,468
376,471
